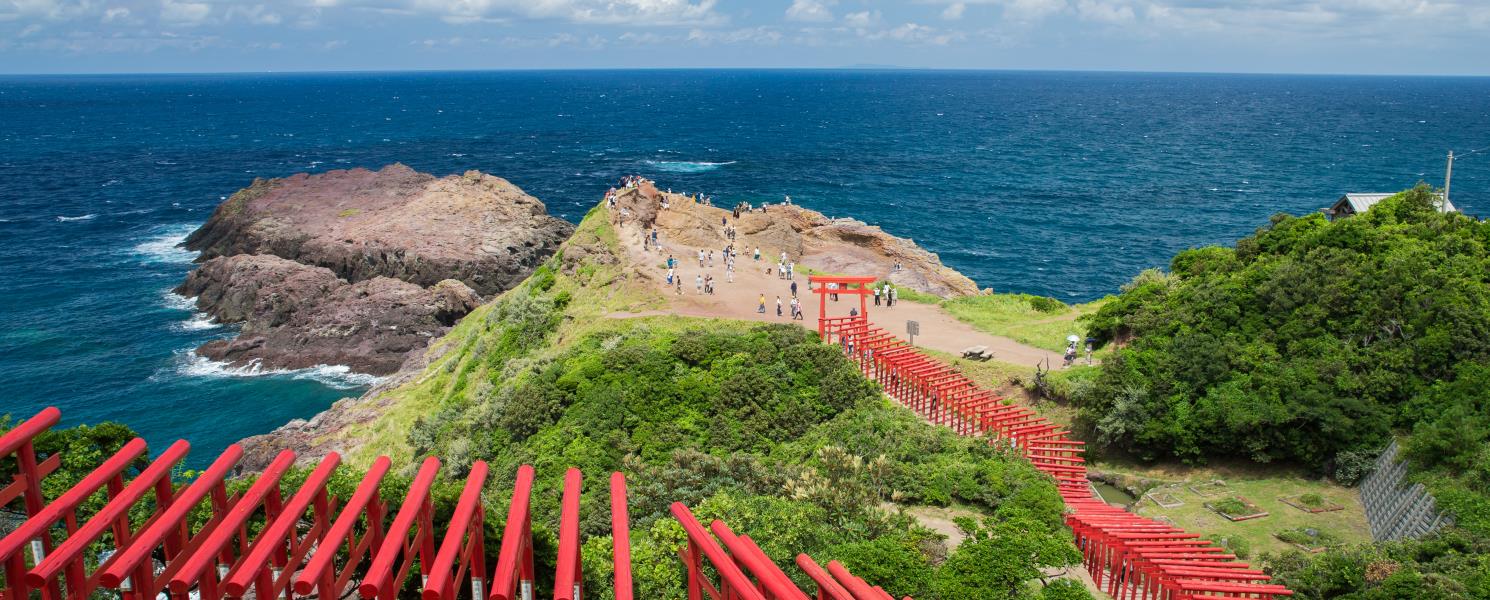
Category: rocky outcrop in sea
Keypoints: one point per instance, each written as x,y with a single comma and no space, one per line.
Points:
361,268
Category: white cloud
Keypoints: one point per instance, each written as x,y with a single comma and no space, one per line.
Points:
764,36
597,12
257,14
1105,11
915,33
868,18
953,11
118,13
188,13
810,11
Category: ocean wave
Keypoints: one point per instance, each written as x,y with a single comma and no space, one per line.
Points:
686,166
199,321
164,246
87,217
176,301
341,377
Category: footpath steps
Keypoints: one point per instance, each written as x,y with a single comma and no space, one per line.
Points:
1129,556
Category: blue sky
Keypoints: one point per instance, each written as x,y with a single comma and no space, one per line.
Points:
1272,36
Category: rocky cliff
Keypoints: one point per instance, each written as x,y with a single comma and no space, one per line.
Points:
810,238
297,316
394,222
360,268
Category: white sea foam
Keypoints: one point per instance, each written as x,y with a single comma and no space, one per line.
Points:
87,217
199,321
686,166
164,246
341,377
176,301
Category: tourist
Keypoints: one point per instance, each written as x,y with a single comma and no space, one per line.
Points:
796,309
678,285
778,306
669,276
757,253
876,296
894,295
794,289
1090,342
711,259
791,270
700,258
762,307
698,283
853,312
670,262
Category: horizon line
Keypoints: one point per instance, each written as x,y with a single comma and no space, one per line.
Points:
867,68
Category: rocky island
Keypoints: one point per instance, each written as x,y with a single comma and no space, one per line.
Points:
359,267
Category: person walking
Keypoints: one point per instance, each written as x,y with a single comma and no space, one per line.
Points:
757,252
796,309
762,307
794,289
894,295
877,296
698,283
778,306
700,258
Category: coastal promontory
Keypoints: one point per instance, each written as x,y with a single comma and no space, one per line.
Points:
360,268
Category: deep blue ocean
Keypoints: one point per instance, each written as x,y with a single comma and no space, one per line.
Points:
1062,184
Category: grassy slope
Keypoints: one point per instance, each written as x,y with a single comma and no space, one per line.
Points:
1014,317
463,360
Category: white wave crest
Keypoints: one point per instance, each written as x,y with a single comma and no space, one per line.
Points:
164,246
199,321
686,166
176,301
87,217
338,377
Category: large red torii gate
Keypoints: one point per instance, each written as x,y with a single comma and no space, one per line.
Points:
819,285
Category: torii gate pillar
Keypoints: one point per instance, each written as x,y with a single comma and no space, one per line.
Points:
857,285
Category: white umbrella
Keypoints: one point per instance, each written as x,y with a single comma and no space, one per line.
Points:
1073,338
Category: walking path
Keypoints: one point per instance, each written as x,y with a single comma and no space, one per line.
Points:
739,300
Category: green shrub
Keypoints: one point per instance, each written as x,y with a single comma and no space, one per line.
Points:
1065,589
1232,507
1309,340
1311,500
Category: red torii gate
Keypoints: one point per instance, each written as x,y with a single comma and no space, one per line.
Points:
230,556
819,285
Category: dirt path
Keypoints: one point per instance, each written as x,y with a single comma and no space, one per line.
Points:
740,300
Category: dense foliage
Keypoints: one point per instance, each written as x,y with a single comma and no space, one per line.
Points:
1450,565
771,430
1310,341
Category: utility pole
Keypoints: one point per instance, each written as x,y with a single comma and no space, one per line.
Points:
1448,177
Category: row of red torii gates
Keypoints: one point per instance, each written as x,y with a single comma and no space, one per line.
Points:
1129,556
314,544
257,543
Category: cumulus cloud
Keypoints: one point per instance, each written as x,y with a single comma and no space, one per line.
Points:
599,12
953,11
868,18
187,13
809,11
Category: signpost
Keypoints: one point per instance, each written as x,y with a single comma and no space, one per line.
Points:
914,329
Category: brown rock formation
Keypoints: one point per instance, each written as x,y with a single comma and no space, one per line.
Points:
361,268
296,316
844,246
394,222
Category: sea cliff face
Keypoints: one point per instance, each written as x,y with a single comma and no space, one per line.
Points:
360,268
394,222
